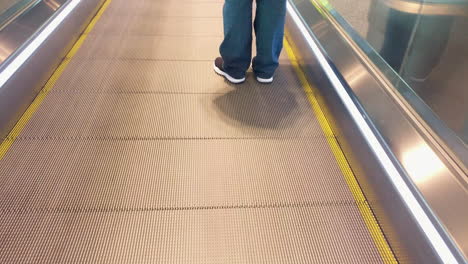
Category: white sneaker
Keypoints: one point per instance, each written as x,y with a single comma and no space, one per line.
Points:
262,80
218,67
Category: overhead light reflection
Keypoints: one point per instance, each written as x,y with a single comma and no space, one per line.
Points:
19,60
5,52
422,163
52,4
355,75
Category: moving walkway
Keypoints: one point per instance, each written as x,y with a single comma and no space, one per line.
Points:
121,145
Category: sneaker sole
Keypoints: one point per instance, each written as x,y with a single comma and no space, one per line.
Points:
227,76
261,80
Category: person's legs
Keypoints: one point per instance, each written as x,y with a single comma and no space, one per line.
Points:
269,31
236,49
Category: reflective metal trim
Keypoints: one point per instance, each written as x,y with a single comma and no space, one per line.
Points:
16,10
443,137
28,55
427,8
432,178
17,33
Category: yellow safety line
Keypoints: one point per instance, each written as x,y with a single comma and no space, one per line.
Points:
15,132
368,216
381,243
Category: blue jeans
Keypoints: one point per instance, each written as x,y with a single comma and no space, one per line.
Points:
236,49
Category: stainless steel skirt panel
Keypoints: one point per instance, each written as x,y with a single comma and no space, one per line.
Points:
19,91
